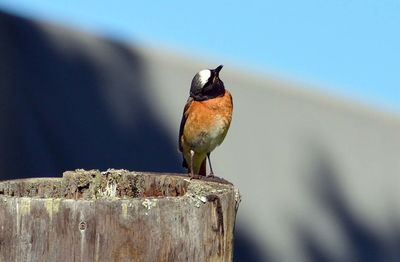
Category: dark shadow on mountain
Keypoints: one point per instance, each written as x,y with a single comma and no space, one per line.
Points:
365,244
247,248
67,103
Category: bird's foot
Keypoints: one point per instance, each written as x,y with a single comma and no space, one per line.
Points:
211,175
193,176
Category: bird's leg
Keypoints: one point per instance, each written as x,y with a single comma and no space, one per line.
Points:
191,174
209,162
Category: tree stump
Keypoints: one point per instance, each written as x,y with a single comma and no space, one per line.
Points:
117,215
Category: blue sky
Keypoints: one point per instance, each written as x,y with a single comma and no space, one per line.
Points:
349,47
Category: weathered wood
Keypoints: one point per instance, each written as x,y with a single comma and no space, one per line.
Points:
116,215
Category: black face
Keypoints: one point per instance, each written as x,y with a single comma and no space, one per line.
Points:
214,86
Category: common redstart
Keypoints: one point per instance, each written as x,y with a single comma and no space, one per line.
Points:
205,122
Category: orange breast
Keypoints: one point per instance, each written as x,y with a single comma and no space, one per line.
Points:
208,122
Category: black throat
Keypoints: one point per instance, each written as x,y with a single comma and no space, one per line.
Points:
208,92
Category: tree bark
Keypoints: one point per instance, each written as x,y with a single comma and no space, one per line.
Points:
117,215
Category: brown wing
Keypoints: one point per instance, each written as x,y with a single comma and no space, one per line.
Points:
183,121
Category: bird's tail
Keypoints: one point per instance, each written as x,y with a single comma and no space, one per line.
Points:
203,168
184,163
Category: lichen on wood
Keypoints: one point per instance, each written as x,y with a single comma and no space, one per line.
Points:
117,215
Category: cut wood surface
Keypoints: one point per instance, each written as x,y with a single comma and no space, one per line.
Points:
117,215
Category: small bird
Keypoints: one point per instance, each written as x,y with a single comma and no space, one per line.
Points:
205,122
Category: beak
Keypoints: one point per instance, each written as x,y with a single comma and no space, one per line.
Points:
218,69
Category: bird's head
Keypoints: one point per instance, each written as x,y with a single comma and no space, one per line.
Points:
206,84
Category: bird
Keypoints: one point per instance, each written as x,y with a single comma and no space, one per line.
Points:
206,118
